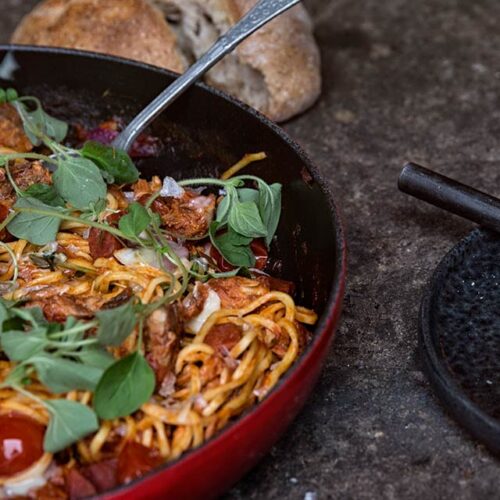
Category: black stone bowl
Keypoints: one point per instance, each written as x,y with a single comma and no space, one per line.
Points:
459,336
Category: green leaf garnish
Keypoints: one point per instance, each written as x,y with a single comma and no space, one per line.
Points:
7,95
233,246
20,346
70,421
79,182
62,375
38,124
96,356
124,388
247,194
115,325
135,221
37,228
46,194
116,162
245,219
270,209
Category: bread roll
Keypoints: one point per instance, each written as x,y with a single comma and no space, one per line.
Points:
128,28
277,70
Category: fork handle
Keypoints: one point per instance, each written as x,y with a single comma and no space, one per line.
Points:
261,14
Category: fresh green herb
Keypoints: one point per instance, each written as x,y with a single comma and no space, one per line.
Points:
245,219
46,194
243,213
115,162
7,95
19,346
135,221
31,224
37,123
65,357
225,205
248,195
79,182
33,315
233,246
115,325
124,387
62,375
70,421
270,209
95,356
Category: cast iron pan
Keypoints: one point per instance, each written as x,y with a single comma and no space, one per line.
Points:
203,133
460,334
459,317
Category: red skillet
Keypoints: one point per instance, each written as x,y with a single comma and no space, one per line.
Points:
203,133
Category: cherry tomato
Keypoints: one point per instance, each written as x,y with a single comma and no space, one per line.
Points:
259,249
135,460
21,443
221,262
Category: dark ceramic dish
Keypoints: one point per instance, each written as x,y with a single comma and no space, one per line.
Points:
460,334
204,133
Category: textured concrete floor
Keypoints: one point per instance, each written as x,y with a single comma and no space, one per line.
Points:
404,80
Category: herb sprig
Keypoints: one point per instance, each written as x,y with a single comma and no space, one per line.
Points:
80,175
65,359
243,215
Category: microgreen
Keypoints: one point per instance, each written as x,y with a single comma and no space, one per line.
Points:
7,95
70,421
124,387
245,220
65,360
79,181
233,246
46,194
242,215
80,176
135,222
63,375
38,125
115,325
36,222
115,162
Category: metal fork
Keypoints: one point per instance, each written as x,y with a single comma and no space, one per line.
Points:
261,14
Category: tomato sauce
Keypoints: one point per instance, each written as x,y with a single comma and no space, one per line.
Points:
21,443
135,460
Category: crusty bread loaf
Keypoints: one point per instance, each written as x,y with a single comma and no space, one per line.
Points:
277,70
126,28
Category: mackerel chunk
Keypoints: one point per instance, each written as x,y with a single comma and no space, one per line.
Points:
12,134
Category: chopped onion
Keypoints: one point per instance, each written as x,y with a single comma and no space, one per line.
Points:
212,304
200,202
137,257
171,188
181,251
129,196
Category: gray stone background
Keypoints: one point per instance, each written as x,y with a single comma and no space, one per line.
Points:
404,80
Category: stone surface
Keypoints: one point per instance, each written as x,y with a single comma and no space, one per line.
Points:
403,80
